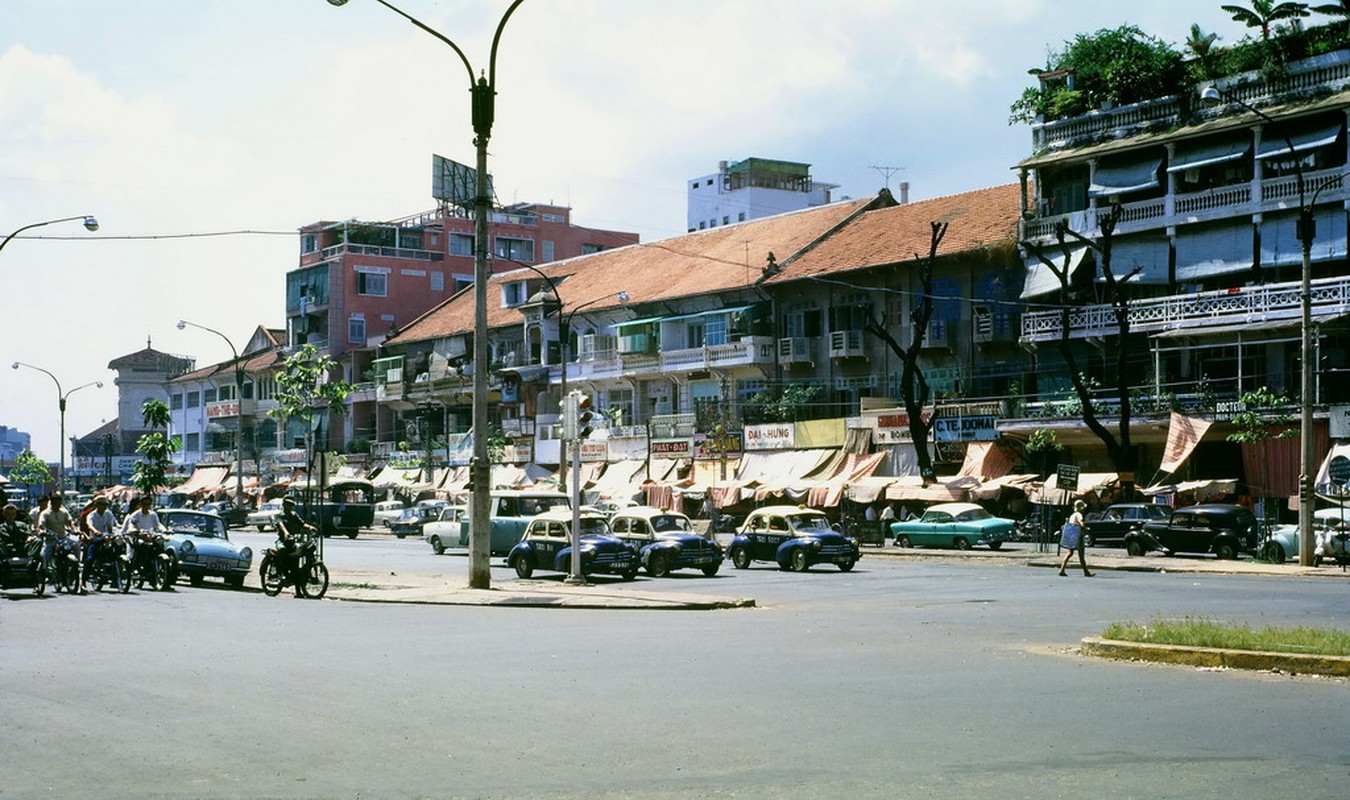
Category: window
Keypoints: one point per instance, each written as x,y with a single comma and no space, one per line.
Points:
619,403
740,217
176,402
702,225
726,219
438,281
356,329
548,249
715,329
515,249
372,284
209,396
267,387
693,334
802,322
461,244
587,249
513,293
226,392
193,443
309,243
194,399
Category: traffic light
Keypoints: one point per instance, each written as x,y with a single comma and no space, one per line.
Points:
570,415
583,414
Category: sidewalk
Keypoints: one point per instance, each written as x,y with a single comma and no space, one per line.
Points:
372,587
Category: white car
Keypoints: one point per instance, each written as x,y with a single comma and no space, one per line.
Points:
444,530
386,511
266,516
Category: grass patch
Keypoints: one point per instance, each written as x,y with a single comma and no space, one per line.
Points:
1207,633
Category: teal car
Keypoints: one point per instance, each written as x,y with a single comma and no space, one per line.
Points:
955,525
512,510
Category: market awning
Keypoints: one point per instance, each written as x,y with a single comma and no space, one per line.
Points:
731,310
989,490
1124,177
1276,146
1049,493
1041,280
1201,488
203,479
911,488
1208,251
1206,154
405,478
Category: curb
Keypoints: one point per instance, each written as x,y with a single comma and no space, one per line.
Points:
556,601
1212,657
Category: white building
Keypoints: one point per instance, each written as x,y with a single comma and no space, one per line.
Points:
751,189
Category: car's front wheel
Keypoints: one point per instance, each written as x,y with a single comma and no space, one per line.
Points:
961,543
658,566
902,541
524,568
1134,548
800,563
1273,553
1088,541
995,545
1225,552
436,546
711,569
846,566
740,559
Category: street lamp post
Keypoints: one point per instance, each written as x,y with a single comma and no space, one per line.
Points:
90,224
1306,232
482,92
61,404
239,398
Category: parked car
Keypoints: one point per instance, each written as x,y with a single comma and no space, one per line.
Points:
235,515
1119,519
386,511
1328,524
666,541
444,529
795,537
410,522
1219,528
957,525
547,545
266,515
201,547
512,510
611,507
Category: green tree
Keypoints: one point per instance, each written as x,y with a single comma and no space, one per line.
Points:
1201,46
30,471
1265,13
307,391
155,449
1265,415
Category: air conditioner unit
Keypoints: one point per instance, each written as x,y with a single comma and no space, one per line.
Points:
796,350
937,333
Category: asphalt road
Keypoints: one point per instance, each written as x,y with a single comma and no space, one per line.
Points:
900,679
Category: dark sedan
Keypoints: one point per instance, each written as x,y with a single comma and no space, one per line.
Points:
1121,518
1219,528
410,522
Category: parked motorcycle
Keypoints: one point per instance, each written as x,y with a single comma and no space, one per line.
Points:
310,567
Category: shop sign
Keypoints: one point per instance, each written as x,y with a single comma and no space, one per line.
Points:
594,451
977,428
517,454
223,408
1066,477
709,447
892,427
772,436
1340,422
673,448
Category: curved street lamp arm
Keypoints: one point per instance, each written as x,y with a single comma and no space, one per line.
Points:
88,223
59,392
496,38
419,23
182,323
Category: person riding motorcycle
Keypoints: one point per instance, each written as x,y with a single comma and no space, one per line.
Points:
290,529
54,524
99,524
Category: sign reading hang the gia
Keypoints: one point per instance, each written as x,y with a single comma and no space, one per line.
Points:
770,436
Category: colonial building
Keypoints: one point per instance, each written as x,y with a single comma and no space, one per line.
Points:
750,189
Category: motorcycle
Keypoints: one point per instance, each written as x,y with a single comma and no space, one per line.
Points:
63,571
110,564
151,562
306,563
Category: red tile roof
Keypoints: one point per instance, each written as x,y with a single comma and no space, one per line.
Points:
716,260
898,234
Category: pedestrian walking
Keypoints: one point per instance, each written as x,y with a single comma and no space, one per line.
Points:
1071,539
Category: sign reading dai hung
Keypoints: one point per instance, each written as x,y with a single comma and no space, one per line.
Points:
771,436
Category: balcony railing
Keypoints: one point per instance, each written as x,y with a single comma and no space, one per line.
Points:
387,252
1328,72
1245,304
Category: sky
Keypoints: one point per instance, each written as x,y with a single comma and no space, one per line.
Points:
203,135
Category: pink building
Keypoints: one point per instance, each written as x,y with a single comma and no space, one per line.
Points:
359,280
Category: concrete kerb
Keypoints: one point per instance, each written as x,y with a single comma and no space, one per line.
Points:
416,590
1211,657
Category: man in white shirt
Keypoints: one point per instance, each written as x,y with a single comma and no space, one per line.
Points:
144,520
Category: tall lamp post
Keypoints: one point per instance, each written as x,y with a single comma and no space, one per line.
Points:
1306,231
239,398
482,93
90,224
61,404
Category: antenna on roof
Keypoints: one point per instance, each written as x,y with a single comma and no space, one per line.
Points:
886,172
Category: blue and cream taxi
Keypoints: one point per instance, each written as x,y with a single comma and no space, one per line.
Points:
665,541
796,537
547,545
